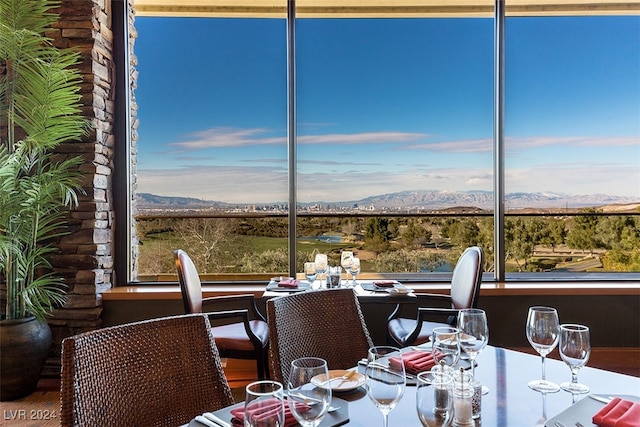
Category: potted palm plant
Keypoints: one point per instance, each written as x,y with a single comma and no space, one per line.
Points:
39,110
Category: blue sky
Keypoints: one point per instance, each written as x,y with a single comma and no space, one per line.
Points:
386,105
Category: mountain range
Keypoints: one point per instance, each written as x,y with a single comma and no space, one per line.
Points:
416,199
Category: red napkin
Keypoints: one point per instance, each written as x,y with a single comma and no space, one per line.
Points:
415,361
268,409
618,413
289,283
384,283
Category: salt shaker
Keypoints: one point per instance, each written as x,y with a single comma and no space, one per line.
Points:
463,400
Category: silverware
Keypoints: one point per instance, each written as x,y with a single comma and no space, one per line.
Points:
600,398
206,422
578,424
559,424
216,419
343,378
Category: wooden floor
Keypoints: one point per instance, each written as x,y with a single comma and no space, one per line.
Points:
32,410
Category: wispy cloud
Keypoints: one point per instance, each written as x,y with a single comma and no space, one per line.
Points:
569,141
483,145
224,137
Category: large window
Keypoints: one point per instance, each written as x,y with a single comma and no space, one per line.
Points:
394,145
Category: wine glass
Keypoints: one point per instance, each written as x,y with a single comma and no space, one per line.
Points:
309,390
264,404
385,381
310,272
434,399
321,265
575,348
543,333
346,260
474,335
355,269
445,348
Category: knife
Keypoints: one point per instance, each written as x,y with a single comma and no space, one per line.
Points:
600,398
219,421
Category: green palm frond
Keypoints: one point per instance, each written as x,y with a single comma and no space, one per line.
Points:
39,109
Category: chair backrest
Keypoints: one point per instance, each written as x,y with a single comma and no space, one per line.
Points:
190,284
327,323
160,372
467,277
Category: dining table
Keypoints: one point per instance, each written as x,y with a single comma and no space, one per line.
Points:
509,402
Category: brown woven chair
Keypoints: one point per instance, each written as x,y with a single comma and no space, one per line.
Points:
326,324
240,330
160,372
465,288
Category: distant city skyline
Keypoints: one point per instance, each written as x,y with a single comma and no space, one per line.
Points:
386,106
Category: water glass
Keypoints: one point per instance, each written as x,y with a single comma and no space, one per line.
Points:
355,270
575,348
310,272
543,332
445,347
346,260
309,390
322,264
264,404
333,277
434,399
385,380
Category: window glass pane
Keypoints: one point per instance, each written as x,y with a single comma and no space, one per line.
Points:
394,119
212,139
573,143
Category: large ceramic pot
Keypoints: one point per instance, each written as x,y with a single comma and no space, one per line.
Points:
24,347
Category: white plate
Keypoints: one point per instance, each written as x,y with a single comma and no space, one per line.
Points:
356,380
399,291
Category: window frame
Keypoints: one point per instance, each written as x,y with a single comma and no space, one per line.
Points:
125,239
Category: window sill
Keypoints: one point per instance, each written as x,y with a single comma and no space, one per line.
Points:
171,291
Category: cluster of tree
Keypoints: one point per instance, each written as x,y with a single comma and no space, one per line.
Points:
400,244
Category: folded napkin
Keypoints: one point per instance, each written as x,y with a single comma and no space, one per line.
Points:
618,413
268,410
415,361
289,283
384,283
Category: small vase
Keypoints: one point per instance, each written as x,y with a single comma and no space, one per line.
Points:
24,347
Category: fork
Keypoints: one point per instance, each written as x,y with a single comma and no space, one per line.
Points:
346,377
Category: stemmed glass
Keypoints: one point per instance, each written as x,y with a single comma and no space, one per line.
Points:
575,348
346,260
355,269
310,272
445,348
321,265
264,404
385,381
474,335
309,390
543,333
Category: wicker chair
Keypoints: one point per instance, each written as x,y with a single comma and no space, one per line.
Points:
465,288
160,372
240,330
326,324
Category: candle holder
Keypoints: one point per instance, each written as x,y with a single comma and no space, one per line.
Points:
463,391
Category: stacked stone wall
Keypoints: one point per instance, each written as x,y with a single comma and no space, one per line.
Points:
86,257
